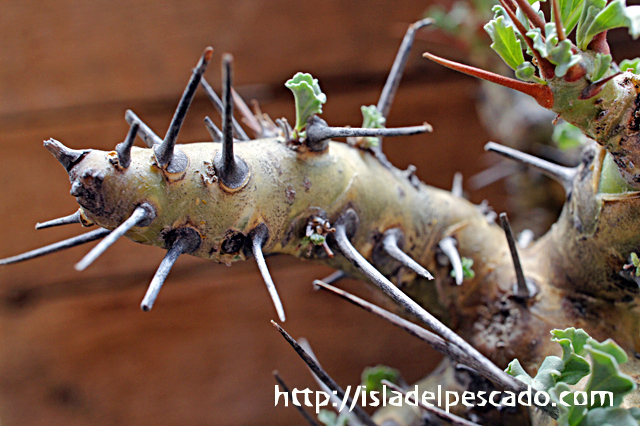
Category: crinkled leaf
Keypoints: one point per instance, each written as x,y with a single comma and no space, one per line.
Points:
571,415
567,136
372,377
600,66
505,42
527,72
590,10
570,11
515,369
372,118
610,347
606,375
538,41
577,336
550,370
562,57
309,98
632,65
611,416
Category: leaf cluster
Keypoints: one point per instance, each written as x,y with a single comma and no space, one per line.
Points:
584,408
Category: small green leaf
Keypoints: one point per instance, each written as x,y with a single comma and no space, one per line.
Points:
567,136
527,72
309,98
563,58
635,259
612,16
577,338
600,66
572,342
372,377
317,239
606,375
372,119
550,370
467,272
505,42
515,369
609,347
538,41
632,65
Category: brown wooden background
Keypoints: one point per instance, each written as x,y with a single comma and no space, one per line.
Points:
75,349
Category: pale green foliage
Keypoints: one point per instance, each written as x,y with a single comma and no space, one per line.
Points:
527,72
372,119
601,66
317,239
570,11
467,272
636,262
556,374
505,42
330,418
372,377
597,17
308,96
567,136
632,65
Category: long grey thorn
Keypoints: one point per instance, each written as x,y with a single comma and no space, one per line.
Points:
146,134
334,277
301,410
258,237
164,151
351,418
141,216
60,245
187,240
390,241
318,130
561,174
521,290
322,375
217,103
480,364
395,75
213,130
232,170
445,415
448,247
67,220
124,149
380,281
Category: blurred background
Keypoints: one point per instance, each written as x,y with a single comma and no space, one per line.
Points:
75,348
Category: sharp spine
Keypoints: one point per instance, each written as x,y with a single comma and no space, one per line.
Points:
318,131
141,216
397,69
561,174
60,245
322,375
258,237
390,245
232,170
456,188
187,241
67,220
146,134
213,130
164,151
448,247
301,410
249,119
124,149
217,103
521,290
